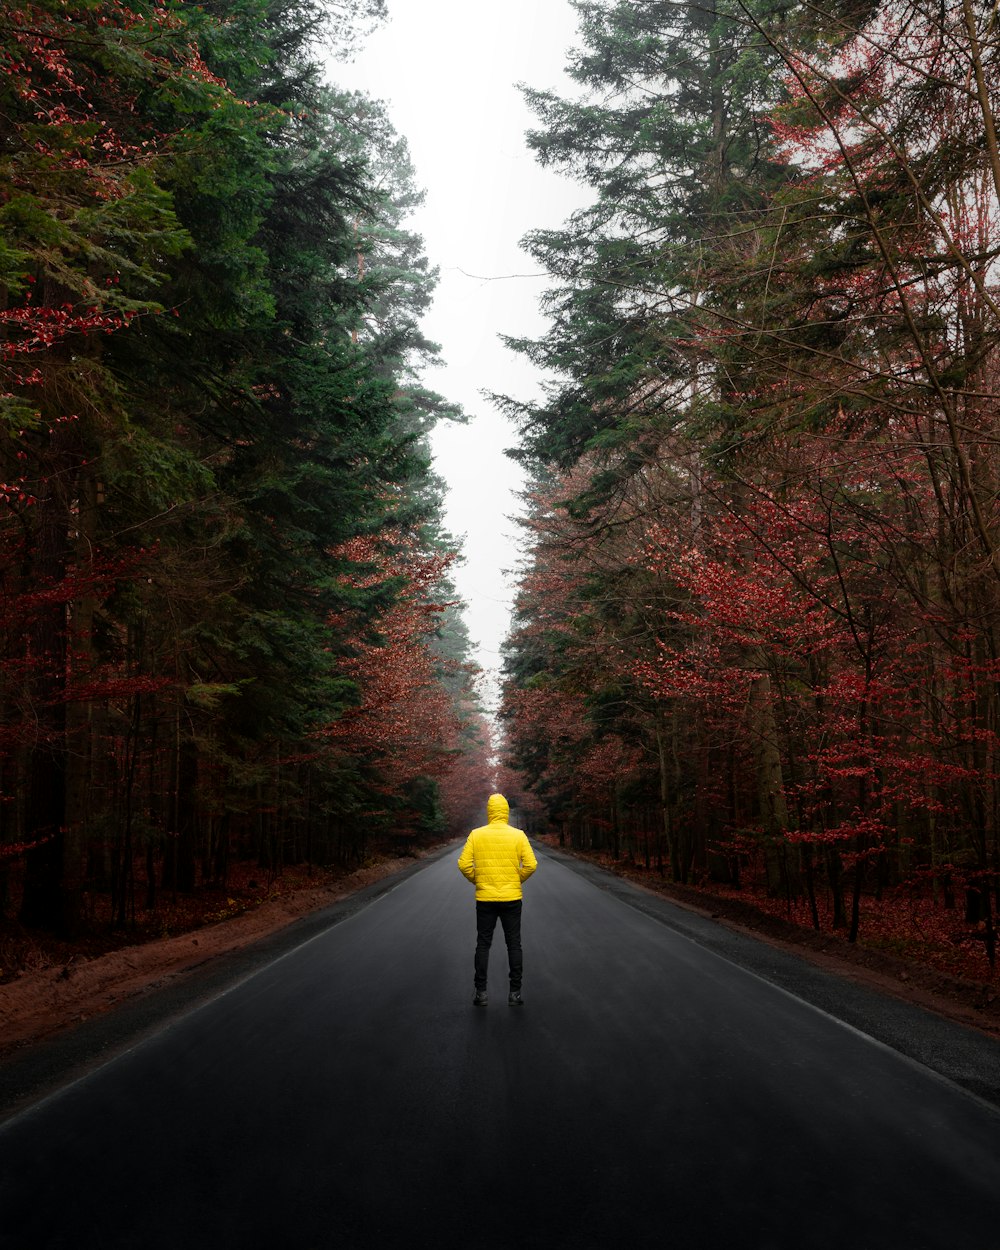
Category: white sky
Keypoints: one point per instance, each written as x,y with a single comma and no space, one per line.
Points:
447,70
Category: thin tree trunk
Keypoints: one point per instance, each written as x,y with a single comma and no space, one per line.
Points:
661,753
763,732
43,902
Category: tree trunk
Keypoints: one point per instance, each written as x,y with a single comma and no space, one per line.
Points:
179,861
763,732
835,873
80,715
668,837
43,901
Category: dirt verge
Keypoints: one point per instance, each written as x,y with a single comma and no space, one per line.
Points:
41,1003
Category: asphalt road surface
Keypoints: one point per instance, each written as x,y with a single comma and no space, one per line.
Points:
651,1092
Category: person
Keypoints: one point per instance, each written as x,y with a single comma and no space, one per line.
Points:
498,859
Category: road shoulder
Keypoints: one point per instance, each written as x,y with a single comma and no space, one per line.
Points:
937,1032
119,1003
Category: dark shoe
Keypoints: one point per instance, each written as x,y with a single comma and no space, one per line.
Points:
480,1000
514,999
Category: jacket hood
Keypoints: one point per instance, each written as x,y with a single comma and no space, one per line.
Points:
497,808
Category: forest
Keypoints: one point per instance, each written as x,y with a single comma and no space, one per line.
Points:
229,640
757,641
756,644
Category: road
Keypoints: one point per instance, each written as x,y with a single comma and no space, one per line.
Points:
650,1093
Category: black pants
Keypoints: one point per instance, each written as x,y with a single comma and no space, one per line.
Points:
486,920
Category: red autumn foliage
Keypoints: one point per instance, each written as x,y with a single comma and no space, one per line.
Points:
405,720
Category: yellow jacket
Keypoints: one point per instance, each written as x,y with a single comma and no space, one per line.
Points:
496,857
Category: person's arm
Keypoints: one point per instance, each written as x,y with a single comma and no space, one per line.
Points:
466,863
528,862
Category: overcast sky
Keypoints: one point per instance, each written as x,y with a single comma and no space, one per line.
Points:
448,71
